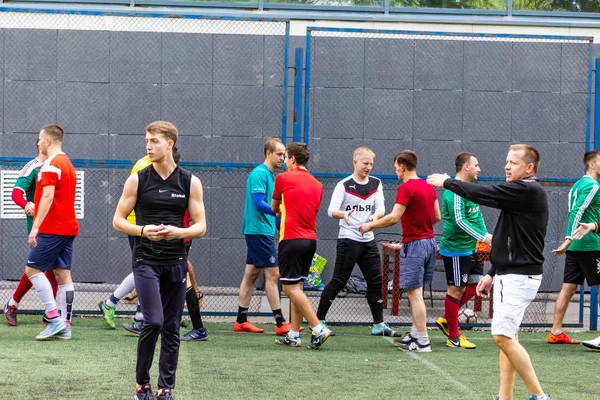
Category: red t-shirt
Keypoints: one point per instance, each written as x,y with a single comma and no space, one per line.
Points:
58,171
300,194
419,199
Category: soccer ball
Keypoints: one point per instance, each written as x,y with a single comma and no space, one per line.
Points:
467,316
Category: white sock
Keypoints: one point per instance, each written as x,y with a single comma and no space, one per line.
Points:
413,331
65,295
44,290
422,337
317,329
12,302
139,316
125,287
293,334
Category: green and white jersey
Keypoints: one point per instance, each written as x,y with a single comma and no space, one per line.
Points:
463,225
584,206
26,182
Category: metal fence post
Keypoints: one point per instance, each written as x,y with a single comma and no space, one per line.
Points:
298,94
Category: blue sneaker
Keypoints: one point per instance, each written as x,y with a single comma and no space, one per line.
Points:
288,341
195,334
542,397
54,326
65,334
317,341
135,327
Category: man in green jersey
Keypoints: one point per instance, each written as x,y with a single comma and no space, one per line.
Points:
463,227
583,256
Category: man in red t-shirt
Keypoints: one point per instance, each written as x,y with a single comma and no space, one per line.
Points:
418,208
53,232
296,200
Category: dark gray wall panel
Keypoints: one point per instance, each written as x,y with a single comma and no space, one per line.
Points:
273,60
133,106
29,105
388,114
97,207
487,116
491,156
238,60
436,155
385,153
78,145
535,117
438,64
573,117
199,256
389,64
229,255
14,254
30,54
337,113
237,111
570,160
77,62
273,104
574,68
488,66
18,144
227,207
332,155
549,152
119,262
189,107
237,149
338,62
127,147
90,260
82,107
194,148
437,115
135,57
536,67
187,58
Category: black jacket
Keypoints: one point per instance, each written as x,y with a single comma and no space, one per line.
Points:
518,241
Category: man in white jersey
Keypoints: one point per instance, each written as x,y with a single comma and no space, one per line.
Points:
355,200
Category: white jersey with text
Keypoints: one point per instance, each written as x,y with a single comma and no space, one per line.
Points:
365,198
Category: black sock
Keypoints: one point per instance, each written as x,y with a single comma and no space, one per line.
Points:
242,315
191,299
279,320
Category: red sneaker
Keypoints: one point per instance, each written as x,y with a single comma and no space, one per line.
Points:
561,339
284,329
246,327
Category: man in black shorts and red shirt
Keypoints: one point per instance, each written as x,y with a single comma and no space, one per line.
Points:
296,200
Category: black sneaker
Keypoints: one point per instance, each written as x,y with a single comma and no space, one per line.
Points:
416,347
10,315
405,340
144,393
317,341
164,394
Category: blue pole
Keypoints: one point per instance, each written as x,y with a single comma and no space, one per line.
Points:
593,289
285,83
298,94
307,88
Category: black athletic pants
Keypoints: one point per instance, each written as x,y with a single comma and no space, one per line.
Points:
161,293
349,253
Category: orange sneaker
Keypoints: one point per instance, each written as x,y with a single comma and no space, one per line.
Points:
246,327
561,339
284,329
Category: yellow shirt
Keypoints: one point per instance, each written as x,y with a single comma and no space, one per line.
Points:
139,165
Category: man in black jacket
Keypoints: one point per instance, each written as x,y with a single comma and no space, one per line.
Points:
516,256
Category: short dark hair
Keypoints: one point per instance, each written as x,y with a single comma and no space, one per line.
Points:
299,151
462,159
530,155
176,155
55,132
590,156
271,144
408,158
165,128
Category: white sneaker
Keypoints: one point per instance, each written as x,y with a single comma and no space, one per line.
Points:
65,334
416,347
592,344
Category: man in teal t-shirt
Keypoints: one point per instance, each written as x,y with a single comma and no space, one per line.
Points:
583,256
463,228
258,227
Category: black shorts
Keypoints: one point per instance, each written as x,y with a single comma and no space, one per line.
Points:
580,265
461,270
295,257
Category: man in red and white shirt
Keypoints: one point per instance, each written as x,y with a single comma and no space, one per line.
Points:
53,232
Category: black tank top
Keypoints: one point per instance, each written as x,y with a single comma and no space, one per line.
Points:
161,201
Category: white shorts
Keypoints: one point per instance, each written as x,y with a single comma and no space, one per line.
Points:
512,295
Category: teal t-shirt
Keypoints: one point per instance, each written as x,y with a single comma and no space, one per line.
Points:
261,180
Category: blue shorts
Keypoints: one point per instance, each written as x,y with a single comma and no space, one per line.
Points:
52,251
417,263
261,251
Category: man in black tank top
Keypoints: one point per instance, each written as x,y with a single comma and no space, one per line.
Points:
160,194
